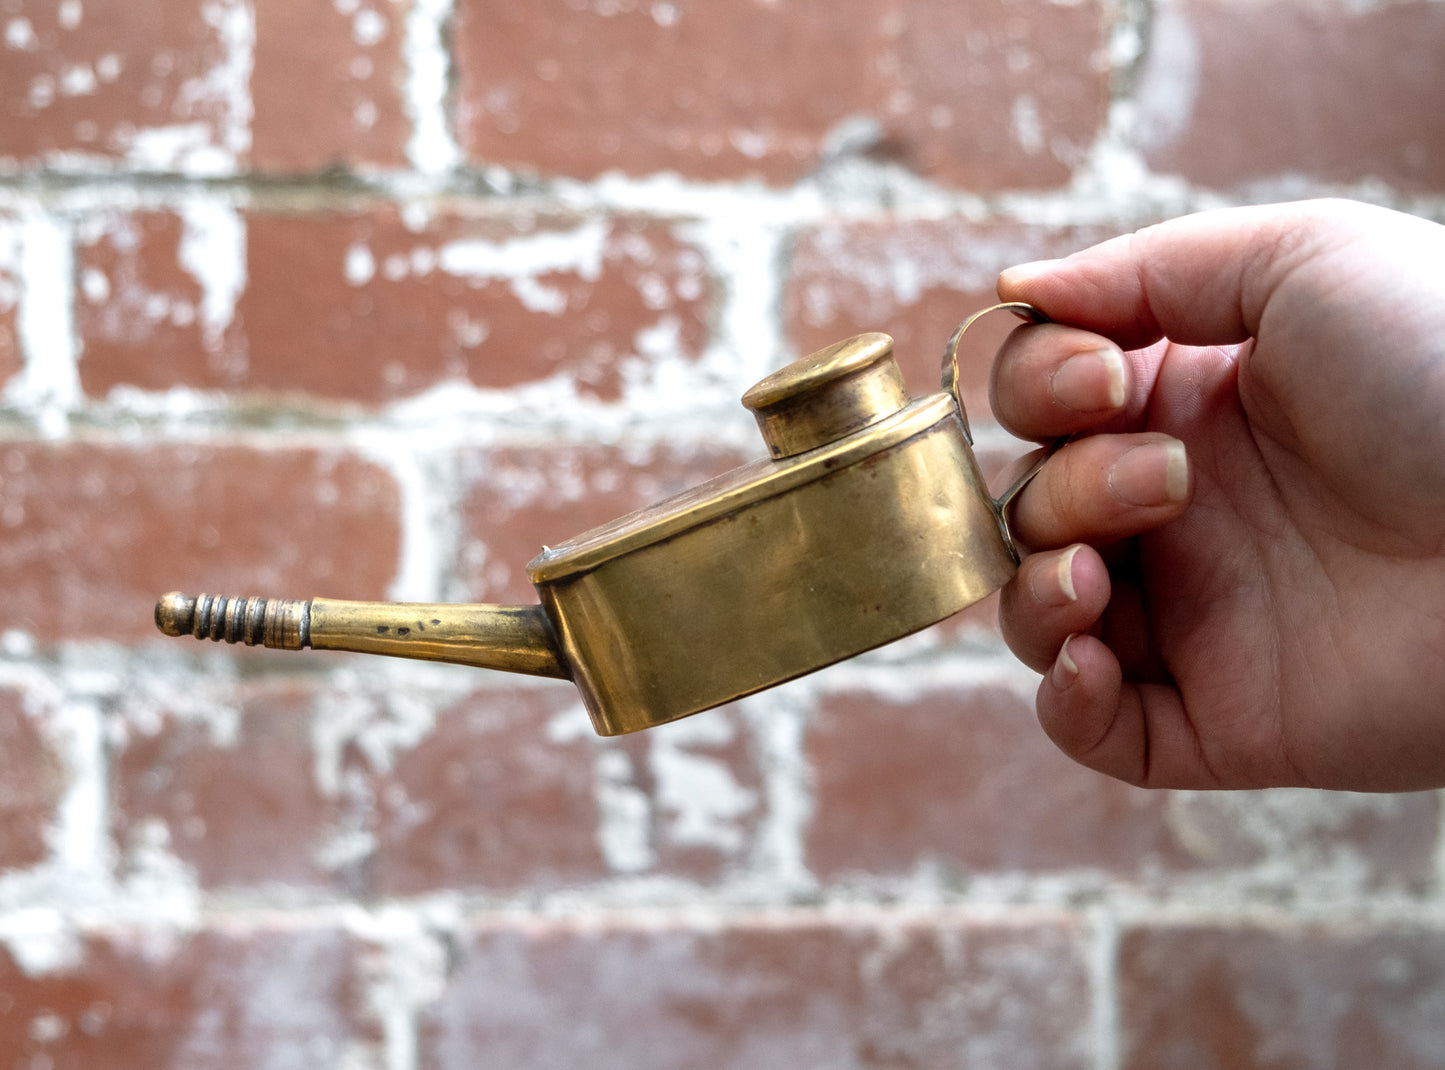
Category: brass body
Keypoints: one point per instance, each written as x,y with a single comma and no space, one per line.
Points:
869,521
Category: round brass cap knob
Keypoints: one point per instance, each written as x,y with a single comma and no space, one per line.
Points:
828,395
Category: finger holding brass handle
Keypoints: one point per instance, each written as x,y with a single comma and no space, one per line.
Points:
1033,462
868,521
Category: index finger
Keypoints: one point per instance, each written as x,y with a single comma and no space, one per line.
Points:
1202,279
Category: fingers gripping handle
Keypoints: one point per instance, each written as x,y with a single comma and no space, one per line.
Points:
951,386
950,351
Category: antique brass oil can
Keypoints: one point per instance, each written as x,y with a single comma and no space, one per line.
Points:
868,521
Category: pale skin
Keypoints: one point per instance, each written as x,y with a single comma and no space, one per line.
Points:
1237,567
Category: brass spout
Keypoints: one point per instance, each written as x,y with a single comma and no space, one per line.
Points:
511,638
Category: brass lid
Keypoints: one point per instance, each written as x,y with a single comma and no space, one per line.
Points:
828,395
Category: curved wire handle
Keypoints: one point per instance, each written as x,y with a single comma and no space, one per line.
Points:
950,385
950,350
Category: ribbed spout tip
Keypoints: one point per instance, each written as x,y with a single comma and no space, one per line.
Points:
280,623
509,638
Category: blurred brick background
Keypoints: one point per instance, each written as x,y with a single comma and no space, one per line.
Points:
372,299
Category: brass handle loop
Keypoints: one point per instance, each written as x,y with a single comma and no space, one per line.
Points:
950,385
950,351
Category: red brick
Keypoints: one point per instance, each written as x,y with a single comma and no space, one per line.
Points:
977,95
490,799
965,778
148,1001
519,500
1239,92
91,534
153,314
326,86
361,306
491,301
998,96
208,86
156,85
510,790
968,780
1292,997
233,780
773,993
34,781
916,280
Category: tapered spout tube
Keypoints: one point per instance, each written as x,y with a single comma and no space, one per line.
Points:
510,638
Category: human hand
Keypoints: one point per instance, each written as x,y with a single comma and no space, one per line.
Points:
1265,603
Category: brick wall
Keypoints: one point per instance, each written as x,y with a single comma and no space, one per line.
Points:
372,299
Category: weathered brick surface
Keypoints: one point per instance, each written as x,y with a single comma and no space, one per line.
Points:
511,790
916,280
220,998
247,247
1236,92
964,778
936,993
35,780
152,85
696,794
202,86
500,795
501,791
1206,997
326,86
230,778
93,534
156,300
975,95
364,306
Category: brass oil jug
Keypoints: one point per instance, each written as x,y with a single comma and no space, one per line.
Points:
869,521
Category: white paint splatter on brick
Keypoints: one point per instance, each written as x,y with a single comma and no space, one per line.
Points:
206,146
213,252
44,909
406,971
368,28
1169,82
1028,124
10,250
49,382
775,721
699,801
624,828
431,149
353,716
41,940
20,35
522,261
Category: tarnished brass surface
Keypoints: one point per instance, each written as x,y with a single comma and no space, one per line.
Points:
870,521
849,559
511,638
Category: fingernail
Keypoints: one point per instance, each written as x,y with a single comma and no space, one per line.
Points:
1152,474
1055,586
1090,381
1023,273
1065,670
